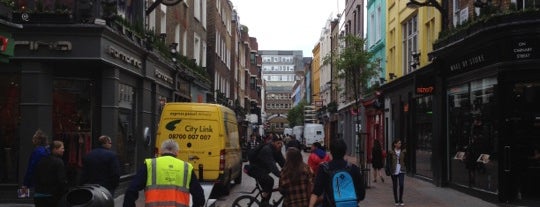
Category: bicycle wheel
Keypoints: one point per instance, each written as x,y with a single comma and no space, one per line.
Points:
246,201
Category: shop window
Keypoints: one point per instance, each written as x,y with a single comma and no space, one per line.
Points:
424,136
473,134
9,127
126,127
72,121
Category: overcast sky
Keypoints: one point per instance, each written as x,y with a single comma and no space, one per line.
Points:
286,24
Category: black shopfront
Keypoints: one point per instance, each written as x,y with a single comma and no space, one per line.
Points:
471,118
77,82
492,99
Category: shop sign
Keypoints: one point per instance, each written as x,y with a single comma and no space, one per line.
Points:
161,75
6,44
116,53
54,45
424,85
524,49
468,62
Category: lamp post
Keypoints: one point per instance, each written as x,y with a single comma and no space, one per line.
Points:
414,4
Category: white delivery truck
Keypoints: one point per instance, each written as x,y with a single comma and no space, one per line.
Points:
298,132
313,133
287,131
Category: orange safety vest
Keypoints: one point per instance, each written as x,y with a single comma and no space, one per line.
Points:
167,182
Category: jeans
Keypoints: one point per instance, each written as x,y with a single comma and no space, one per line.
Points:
398,180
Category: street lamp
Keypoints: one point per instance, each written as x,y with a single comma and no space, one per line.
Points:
414,4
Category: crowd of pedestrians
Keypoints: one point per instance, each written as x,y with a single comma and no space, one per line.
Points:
167,180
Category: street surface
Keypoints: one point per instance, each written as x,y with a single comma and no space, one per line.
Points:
418,193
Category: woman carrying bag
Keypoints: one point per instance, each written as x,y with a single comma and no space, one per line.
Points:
397,170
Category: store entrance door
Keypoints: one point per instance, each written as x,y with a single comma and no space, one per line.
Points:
521,142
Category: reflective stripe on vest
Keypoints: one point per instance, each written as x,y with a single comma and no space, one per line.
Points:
167,182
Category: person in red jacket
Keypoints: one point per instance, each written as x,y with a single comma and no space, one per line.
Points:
318,155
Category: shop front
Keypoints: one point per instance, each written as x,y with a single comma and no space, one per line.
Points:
9,110
492,95
77,87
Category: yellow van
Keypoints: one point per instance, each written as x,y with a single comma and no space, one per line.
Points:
208,138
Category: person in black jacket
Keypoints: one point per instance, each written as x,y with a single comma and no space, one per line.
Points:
50,177
101,166
264,164
377,160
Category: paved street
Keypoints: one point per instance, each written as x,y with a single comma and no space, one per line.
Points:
418,193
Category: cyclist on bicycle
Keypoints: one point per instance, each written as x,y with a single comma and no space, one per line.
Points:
264,164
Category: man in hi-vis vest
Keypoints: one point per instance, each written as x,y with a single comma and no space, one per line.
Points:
166,180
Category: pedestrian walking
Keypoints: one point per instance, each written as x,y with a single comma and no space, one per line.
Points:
50,177
166,180
398,169
293,142
101,166
41,150
318,155
295,182
253,142
377,161
324,180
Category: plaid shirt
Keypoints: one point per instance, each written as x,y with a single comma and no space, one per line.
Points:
296,195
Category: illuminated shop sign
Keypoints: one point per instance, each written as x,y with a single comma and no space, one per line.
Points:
124,57
425,85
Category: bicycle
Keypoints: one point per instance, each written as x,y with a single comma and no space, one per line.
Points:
252,199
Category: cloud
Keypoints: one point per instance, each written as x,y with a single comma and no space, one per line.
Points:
286,24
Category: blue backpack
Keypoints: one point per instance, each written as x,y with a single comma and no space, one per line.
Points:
342,185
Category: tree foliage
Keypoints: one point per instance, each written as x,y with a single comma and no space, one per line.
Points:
353,64
295,116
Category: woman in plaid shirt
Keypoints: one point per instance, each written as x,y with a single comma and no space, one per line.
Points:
296,178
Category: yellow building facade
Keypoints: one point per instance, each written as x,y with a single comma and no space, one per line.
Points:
410,36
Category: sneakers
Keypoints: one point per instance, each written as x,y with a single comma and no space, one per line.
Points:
401,204
396,204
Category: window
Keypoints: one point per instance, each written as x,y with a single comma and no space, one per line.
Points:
9,127
410,35
253,58
424,136
197,49
472,131
197,9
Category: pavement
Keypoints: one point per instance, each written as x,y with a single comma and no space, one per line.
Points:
420,193
417,193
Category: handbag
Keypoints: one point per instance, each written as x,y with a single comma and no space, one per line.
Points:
387,169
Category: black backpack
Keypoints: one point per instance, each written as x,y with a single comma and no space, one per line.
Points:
253,154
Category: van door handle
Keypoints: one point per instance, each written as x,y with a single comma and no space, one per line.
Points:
193,158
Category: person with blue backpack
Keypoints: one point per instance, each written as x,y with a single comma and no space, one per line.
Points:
338,181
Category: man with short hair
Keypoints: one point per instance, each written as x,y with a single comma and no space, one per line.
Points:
322,183
166,180
264,164
101,166
294,143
